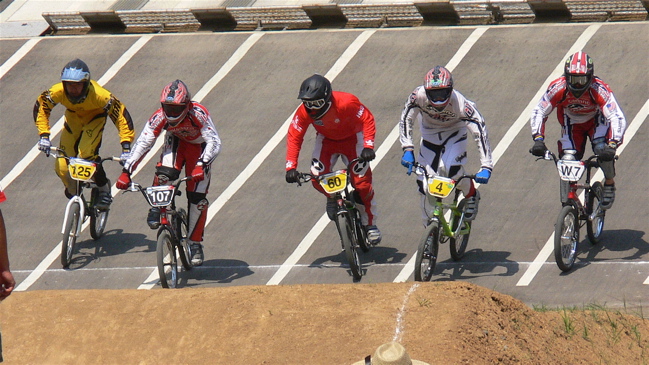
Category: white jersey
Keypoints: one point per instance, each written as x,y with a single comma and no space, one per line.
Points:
458,115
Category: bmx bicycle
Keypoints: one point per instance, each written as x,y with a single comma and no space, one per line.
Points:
338,184
80,208
172,242
440,229
574,213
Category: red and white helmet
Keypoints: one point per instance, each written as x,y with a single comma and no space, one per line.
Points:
176,101
439,86
578,71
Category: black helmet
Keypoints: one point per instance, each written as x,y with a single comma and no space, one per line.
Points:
315,93
578,71
76,71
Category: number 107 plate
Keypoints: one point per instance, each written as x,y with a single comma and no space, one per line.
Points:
160,196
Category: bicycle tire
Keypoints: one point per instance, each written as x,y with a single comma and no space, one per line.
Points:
360,235
427,253
458,245
98,220
70,234
566,237
346,237
183,247
595,227
166,259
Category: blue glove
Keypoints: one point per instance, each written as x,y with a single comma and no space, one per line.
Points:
482,177
408,160
44,145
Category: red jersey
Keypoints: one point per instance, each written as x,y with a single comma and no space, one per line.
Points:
346,117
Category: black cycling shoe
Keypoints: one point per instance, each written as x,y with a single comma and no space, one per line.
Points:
153,219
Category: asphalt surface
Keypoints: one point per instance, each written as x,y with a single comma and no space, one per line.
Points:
265,231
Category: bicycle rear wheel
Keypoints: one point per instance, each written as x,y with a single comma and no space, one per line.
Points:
167,261
361,236
458,244
98,218
566,237
70,234
427,253
347,238
595,227
181,232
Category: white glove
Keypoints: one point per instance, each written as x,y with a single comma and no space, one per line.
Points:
44,145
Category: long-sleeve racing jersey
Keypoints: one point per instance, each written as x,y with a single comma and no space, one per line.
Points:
458,114
196,128
346,117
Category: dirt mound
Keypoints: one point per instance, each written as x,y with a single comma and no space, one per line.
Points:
441,323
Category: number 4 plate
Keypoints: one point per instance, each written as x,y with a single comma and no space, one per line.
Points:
440,186
160,196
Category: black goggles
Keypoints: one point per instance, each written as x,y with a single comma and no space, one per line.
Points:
173,110
438,95
578,81
314,104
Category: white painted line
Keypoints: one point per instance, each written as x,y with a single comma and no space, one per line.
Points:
56,128
548,248
398,333
409,268
20,53
308,240
31,155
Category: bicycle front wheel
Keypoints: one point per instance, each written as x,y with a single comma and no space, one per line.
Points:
181,232
595,226
167,261
427,253
459,243
566,237
345,230
70,234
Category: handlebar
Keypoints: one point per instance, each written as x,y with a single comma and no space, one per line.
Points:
420,169
59,153
550,156
307,176
137,187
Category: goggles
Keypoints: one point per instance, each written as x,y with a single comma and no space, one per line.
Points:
314,104
578,81
438,95
173,110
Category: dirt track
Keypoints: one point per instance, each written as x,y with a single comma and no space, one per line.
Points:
441,323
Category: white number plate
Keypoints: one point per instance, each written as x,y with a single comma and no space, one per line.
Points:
570,170
160,196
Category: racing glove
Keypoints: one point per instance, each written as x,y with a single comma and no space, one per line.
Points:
367,154
292,176
482,177
126,152
44,145
198,174
408,160
539,148
124,181
608,153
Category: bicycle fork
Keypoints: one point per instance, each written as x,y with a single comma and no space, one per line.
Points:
82,213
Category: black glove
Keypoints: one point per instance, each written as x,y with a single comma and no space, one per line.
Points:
367,154
539,148
607,154
292,176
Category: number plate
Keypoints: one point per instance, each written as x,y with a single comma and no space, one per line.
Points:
440,187
81,169
570,170
160,196
334,182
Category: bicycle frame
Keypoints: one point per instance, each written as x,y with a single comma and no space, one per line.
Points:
571,172
162,197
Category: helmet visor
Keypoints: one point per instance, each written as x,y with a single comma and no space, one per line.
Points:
578,81
173,110
314,104
438,95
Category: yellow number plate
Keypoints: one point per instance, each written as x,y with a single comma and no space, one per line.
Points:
81,169
334,181
440,186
